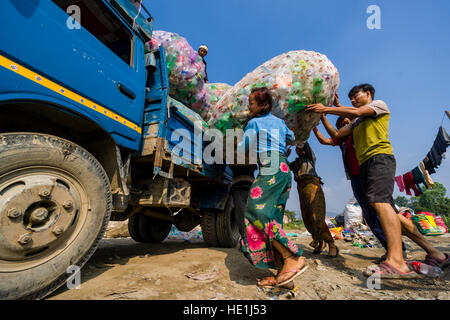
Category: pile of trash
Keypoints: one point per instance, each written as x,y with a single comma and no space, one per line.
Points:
195,235
429,224
295,79
186,70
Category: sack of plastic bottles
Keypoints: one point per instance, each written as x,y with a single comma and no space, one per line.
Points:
295,79
186,70
216,91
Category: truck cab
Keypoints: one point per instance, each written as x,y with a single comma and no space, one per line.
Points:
87,134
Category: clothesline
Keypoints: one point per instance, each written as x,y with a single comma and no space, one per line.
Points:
420,175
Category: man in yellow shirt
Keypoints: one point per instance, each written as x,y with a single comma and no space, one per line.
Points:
377,169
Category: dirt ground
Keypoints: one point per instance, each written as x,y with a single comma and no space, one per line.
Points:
122,269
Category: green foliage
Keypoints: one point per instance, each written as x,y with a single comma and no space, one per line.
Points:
290,214
294,223
432,200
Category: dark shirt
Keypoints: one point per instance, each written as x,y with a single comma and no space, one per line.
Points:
351,164
206,73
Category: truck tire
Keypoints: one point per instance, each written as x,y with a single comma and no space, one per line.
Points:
227,225
133,228
148,230
55,205
208,223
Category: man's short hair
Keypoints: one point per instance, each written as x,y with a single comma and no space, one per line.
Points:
364,88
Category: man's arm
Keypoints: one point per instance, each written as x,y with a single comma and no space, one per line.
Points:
364,111
322,139
343,132
330,129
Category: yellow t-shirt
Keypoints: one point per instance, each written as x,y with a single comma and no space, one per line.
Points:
370,134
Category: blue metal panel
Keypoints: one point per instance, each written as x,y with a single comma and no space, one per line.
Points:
35,35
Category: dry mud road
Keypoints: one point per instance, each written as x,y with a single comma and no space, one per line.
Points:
122,269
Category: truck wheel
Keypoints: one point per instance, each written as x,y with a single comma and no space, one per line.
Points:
208,223
148,230
133,228
55,204
227,225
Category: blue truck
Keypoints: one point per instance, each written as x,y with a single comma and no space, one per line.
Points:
86,134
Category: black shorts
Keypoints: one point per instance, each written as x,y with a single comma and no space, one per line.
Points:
377,178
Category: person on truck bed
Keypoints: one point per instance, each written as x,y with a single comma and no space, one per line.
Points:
264,242
202,52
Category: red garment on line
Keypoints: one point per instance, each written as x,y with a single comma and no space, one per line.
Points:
400,183
408,180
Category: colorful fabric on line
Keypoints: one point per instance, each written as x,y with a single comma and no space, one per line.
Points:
409,184
312,203
428,181
418,178
264,216
400,184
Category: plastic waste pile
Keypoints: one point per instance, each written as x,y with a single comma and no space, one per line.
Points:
186,70
429,224
215,91
295,79
193,116
353,214
193,235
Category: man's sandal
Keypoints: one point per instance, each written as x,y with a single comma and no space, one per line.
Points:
435,262
386,271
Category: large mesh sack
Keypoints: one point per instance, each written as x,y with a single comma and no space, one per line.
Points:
186,70
215,91
295,79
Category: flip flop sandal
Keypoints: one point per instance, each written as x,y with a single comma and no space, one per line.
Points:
319,248
333,256
272,282
387,271
288,286
296,274
435,262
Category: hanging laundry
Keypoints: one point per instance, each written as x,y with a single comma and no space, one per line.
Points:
428,165
428,181
409,184
442,141
400,184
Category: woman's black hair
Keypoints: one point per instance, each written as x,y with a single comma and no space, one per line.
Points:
263,98
339,122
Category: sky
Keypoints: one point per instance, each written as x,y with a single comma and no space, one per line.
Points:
407,61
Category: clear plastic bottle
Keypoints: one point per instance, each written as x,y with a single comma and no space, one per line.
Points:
427,270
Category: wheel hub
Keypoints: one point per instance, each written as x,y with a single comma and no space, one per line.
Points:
37,212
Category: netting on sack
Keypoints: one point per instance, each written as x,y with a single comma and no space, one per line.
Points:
295,79
215,91
186,70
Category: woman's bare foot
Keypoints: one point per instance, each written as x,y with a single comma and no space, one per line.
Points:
271,282
332,250
291,266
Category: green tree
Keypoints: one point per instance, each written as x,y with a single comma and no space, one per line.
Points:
402,201
432,200
290,214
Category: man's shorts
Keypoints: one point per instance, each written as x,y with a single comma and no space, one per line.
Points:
377,178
